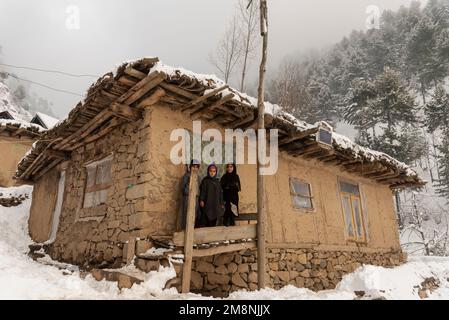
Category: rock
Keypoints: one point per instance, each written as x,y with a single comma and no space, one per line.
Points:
273,266
299,267
360,294
98,274
232,268
283,275
221,270
422,294
143,246
238,259
305,273
136,192
300,282
252,277
223,259
125,281
196,281
238,281
147,265
203,266
253,287
214,279
323,264
302,258
293,274
253,266
242,268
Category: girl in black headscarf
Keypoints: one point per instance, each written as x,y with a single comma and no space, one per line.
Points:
230,183
211,199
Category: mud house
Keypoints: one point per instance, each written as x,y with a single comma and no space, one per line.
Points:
105,189
16,138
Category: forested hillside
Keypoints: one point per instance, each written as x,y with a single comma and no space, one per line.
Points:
391,85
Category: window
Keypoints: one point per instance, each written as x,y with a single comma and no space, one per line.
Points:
352,211
301,194
98,183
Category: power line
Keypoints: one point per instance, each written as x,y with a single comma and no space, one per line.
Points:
51,71
44,85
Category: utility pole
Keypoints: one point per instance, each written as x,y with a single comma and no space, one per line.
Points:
261,221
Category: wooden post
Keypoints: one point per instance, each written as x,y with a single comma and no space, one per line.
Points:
261,223
190,229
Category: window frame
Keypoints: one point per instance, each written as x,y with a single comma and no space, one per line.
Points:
363,239
293,194
96,187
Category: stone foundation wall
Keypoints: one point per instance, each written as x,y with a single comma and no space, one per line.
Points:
305,268
100,240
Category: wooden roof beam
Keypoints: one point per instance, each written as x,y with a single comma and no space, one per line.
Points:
57,154
126,112
194,113
141,88
152,99
203,98
298,136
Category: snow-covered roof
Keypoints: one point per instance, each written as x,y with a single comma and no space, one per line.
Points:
44,120
8,104
15,119
208,97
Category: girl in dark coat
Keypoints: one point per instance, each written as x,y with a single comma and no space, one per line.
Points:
230,183
211,198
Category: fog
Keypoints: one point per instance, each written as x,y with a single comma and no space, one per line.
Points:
181,33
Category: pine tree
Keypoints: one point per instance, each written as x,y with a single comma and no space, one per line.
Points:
437,110
383,111
443,159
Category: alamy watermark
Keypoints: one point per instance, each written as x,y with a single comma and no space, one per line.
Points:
73,19
373,20
190,146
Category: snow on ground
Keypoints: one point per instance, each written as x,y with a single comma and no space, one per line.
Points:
23,278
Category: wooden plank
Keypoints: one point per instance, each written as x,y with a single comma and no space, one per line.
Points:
244,122
214,234
142,87
52,164
297,136
190,225
135,73
246,217
178,90
224,249
204,97
85,129
126,112
153,99
57,154
25,174
114,123
215,105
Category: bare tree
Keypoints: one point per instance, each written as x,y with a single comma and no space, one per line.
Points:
284,89
249,34
228,52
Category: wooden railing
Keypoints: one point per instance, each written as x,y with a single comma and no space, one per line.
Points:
217,234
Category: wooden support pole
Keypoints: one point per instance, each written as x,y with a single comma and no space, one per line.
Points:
190,229
261,223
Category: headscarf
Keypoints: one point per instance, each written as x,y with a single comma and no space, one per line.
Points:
231,179
212,166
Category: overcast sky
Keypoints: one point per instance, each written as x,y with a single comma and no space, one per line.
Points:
180,32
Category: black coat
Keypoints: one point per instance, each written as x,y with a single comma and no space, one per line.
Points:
212,195
230,184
